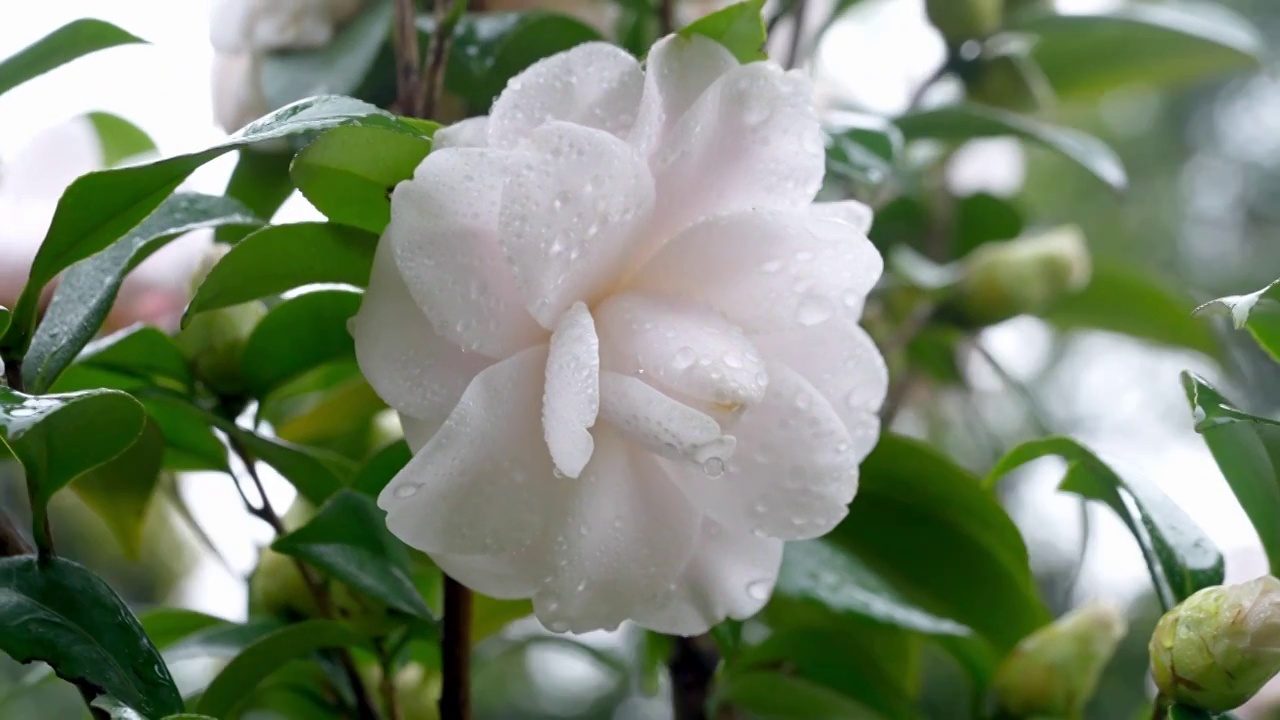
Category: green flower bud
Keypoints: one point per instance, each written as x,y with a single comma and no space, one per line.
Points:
960,20
214,341
1054,671
1220,646
1024,276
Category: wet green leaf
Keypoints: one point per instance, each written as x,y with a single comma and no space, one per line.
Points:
348,173
380,468
298,335
261,183
119,491
738,27
140,351
73,40
1259,312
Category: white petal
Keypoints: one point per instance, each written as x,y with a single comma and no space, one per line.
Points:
483,484
502,577
571,400
681,347
857,214
595,84
678,70
663,425
237,91
571,209
444,231
752,140
768,270
471,132
731,575
843,363
629,532
793,473
412,368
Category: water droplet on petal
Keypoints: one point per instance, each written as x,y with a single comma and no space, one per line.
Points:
813,310
685,357
406,491
758,589
558,626
713,467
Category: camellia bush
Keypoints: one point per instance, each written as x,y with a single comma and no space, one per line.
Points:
608,325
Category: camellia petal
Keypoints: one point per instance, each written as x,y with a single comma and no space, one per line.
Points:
857,214
506,577
677,71
663,425
571,400
444,233
471,132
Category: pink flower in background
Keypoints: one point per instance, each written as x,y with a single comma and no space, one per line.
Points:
623,340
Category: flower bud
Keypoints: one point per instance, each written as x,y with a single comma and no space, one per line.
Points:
213,341
1054,671
960,20
1220,646
1023,276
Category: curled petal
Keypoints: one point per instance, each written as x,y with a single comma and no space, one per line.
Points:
571,401
413,369
794,471
596,85
857,214
665,426
572,206
471,132
731,575
444,231
843,363
628,534
678,70
681,347
768,270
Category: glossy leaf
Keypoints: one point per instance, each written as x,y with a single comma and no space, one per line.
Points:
380,468
141,351
261,183
267,655
1259,312
349,541
73,40
966,122
1086,55
1242,444
221,640
348,173
120,490
115,709
282,257
314,473
297,335
118,138
1130,301
1180,558
738,27
339,66
167,626
89,288
188,436
56,611
781,697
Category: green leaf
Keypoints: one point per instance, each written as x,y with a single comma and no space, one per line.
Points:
56,611
140,351
73,40
1180,558
966,122
822,572
89,288
348,173
738,27
100,207
58,438
1131,302
221,639
118,138
5,317
1242,446
115,709
297,335
380,468
120,490
261,183
314,473
338,67
282,257
981,218
167,626
1186,712
939,537
1164,44
1258,311
189,440
780,697
268,654
348,540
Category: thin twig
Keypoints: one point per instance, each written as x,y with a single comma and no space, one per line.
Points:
692,666
438,57
387,683
797,34
408,84
11,541
455,652
666,17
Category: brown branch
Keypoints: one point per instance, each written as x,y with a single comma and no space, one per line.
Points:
455,652
11,541
446,19
666,17
408,84
692,665
387,683
797,34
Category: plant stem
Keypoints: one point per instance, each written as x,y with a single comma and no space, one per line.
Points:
408,84
797,34
387,684
666,17
11,541
438,57
692,665
455,652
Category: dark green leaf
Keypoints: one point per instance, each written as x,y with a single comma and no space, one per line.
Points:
981,218
166,626
57,612
5,317
221,639
282,257
349,541
1148,44
297,335
1179,556
73,40
314,473
349,173
774,696
115,709
1258,311
88,289
100,207
267,655
118,138
380,468
261,183
338,67
966,122
188,437
141,351
1239,444
1131,302
738,27
120,490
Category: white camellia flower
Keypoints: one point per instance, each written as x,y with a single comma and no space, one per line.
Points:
623,340
242,30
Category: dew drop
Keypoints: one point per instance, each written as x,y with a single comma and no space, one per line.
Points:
733,360
406,491
582,586
812,310
558,626
758,589
851,299
713,467
685,357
